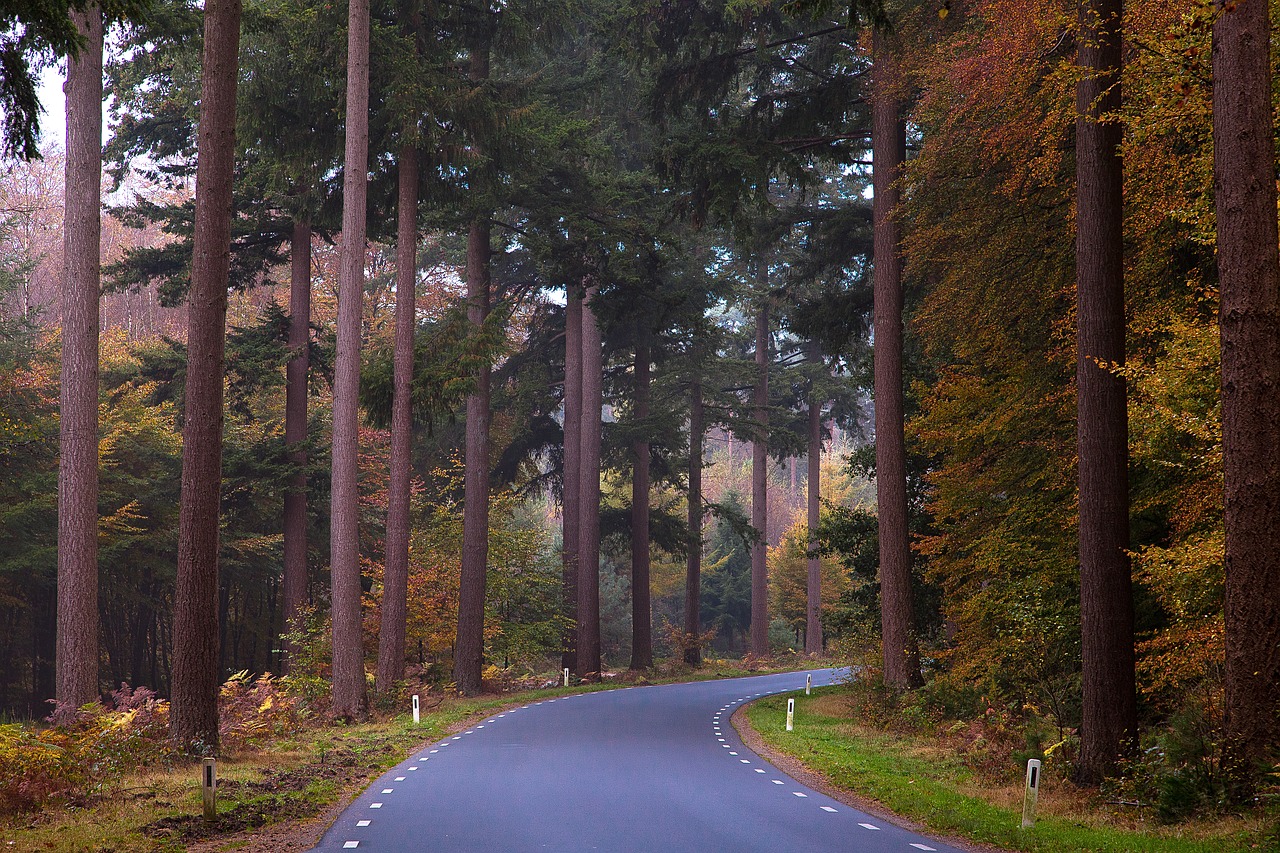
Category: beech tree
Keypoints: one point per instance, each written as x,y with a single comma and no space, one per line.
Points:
196,672
77,619
1110,712
1249,315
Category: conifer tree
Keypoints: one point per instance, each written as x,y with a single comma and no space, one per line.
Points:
77,631
1110,712
196,675
1249,315
349,693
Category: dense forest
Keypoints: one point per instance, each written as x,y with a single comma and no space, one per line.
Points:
462,342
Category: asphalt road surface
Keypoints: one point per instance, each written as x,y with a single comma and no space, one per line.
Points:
634,770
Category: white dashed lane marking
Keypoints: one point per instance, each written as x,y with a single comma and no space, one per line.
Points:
744,761
400,778
827,809
388,790
800,793
777,781
923,846
869,826
363,822
375,805
349,844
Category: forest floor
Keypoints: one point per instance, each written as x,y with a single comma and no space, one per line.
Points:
283,796
923,782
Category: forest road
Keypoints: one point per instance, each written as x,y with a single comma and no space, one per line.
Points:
634,770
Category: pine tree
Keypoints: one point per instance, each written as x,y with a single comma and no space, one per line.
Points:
395,581
349,693
641,611
77,639
1110,712
1249,274
889,153
196,676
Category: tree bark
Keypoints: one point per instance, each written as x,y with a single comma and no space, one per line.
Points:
813,609
693,560
572,491
1109,711
760,483
295,433
641,611
468,654
349,694
589,507
196,672
1249,276
889,152
76,655
469,651
395,572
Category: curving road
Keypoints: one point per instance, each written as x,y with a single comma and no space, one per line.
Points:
640,769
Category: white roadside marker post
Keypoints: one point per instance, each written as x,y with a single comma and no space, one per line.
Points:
416,713
209,788
791,714
808,685
566,676
1033,792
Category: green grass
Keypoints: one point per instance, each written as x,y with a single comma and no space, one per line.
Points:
931,788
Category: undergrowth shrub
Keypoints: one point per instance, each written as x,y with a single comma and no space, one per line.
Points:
251,710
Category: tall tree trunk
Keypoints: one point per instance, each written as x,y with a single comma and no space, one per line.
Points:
349,694
196,675
395,573
889,151
468,654
572,492
641,612
760,482
295,432
77,597
589,506
813,609
469,650
693,560
1109,712
1249,275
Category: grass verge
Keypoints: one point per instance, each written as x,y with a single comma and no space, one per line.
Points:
919,780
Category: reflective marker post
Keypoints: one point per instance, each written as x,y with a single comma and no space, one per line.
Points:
209,788
1033,792
566,676
416,716
808,685
791,714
